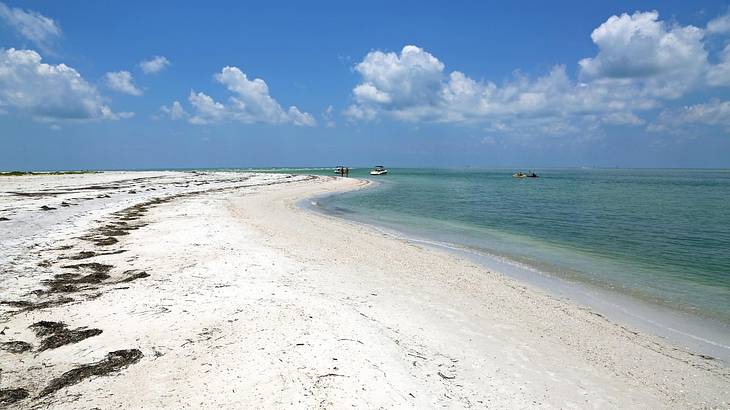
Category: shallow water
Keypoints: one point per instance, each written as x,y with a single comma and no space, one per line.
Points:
662,236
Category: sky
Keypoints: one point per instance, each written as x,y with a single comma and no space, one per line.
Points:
152,85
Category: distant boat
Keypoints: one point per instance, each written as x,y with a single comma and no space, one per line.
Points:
379,170
529,174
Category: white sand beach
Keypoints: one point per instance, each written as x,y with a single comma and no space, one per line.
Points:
214,290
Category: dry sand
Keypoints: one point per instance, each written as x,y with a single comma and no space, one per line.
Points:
225,294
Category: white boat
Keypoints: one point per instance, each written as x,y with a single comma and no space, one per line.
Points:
379,170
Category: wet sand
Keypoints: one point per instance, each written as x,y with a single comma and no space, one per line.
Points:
167,289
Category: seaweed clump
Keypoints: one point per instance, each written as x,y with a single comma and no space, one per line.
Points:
16,346
10,396
57,334
113,362
69,282
26,306
46,327
134,275
82,255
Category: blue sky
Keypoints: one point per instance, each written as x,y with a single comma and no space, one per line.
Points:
107,85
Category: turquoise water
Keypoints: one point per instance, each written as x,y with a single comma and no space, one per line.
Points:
659,235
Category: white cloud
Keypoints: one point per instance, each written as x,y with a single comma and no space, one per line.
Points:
122,82
175,111
39,29
642,63
412,86
667,58
639,45
48,92
719,25
545,126
411,77
329,122
719,74
714,113
360,112
207,110
297,117
154,65
250,102
622,118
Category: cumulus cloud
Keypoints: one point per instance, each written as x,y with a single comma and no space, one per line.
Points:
411,77
329,121
714,113
250,102
122,82
642,63
39,29
719,25
669,59
412,86
175,111
639,45
48,92
405,85
154,65
207,110
719,74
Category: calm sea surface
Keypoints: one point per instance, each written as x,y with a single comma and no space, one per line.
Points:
659,235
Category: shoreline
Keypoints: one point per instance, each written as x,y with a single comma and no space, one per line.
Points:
221,292
693,332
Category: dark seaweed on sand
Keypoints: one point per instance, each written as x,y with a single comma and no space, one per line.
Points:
113,362
134,275
16,346
25,305
56,334
10,396
46,327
